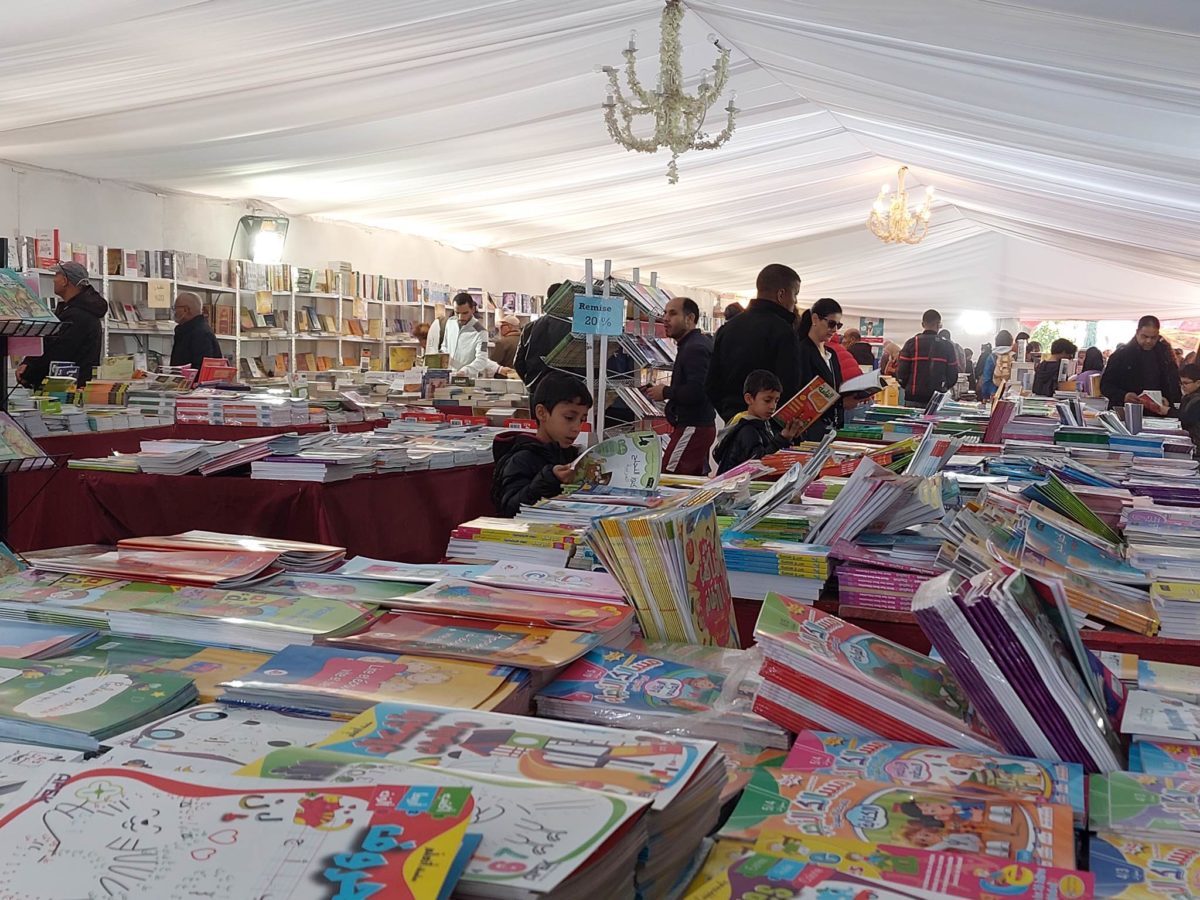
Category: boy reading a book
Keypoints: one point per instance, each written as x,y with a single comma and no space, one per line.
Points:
1189,406
530,467
753,434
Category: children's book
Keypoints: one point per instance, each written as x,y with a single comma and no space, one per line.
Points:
129,654
552,580
77,706
1179,681
925,818
38,640
808,404
759,875
1047,542
1144,804
966,875
1165,758
655,692
1158,716
629,763
455,597
212,667
1141,867
225,734
338,587
631,460
913,765
225,836
205,568
542,833
365,567
497,643
345,682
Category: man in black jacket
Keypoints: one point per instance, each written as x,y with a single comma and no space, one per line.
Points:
763,337
194,338
928,363
1146,363
691,415
82,310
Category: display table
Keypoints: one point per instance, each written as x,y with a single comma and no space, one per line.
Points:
51,508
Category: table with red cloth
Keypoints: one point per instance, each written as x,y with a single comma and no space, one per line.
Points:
412,513
1150,648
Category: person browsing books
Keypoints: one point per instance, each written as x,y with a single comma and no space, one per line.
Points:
1045,375
928,364
194,339
82,311
504,349
858,348
817,360
464,338
537,341
689,411
997,367
1146,363
762,337
530,467
1189,406
753,433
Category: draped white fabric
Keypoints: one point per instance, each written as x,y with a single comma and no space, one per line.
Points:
1063,136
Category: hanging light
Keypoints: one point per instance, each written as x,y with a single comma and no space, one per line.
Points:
678,116
890,219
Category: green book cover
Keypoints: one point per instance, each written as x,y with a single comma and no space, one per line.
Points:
130,654
312,615
1149,804
82,698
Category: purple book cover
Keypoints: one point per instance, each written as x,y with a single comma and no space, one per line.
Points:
892,581
874,601
849,552
972,680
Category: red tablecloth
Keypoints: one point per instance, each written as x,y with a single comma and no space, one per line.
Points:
404,516
55,508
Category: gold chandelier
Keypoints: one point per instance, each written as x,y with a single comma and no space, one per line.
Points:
678,115
890,219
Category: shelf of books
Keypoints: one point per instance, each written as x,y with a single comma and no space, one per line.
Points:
274,320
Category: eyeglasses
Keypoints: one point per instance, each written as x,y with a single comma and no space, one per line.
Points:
832,323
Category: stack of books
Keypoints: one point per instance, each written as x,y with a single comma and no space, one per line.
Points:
670,563
291,556
757,567
821,673
493,539
878,584
1014,648
681,777
322,465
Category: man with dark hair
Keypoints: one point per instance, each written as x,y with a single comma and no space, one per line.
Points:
82,311
1046,373
466,339
733,309
538,339
858,348
1146,363
959,355
689,412
927,364
763,337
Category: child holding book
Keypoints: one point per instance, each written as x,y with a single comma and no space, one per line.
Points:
753,434
530,467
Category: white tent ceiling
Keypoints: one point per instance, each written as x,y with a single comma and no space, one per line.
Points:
1063,135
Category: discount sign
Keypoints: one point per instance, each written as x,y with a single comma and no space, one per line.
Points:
598,315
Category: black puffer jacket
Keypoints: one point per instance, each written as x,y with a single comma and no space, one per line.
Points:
524,470
79,342
763,337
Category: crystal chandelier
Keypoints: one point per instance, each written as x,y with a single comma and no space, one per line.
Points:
678,115
890,220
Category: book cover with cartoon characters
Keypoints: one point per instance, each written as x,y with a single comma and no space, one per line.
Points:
498,643
615,760
966,875
924,818
758,875
74,706
306,615
533,836
458,597
1147,804
711,603
631,460
914,765
1143,867
1165,758
347,681
225,836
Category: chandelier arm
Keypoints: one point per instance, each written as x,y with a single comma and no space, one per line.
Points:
725,134
626,138
645,97
721,73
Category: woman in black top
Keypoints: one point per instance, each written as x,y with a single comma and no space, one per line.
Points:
816,326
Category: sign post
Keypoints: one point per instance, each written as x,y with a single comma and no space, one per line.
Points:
594,316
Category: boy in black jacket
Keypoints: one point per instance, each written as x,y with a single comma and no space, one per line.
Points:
532,466
753,434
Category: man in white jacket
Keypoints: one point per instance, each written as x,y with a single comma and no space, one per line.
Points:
465,340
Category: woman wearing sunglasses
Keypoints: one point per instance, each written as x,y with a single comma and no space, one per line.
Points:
817,360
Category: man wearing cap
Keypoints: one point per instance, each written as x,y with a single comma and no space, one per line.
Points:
194,338
504,349
82,310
